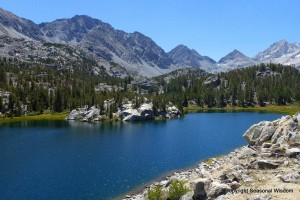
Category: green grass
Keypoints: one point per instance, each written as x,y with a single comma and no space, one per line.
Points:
289,109
54,116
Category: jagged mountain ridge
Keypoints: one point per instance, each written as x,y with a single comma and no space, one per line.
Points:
185,57
69,31
100,37
281,52
135,53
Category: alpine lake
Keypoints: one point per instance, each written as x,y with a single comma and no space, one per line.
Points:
104,160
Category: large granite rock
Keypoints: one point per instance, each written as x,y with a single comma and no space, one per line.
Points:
259,133
218,189
73,115
173,112
131,115
187,196
265,164
281,131
92,113
201,189
293,152
87,114
291,178
144,112
287,130
76,113
246,152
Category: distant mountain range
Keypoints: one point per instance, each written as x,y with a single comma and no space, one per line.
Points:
132,53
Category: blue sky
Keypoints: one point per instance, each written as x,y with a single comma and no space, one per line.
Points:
212,27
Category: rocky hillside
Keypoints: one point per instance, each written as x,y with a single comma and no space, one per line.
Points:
17,27
268,168
133,53
50,55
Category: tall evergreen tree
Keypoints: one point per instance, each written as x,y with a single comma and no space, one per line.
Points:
58,100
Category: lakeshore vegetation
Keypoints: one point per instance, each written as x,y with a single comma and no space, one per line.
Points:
29,91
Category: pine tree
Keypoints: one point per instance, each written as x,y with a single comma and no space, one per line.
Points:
58,101
11,104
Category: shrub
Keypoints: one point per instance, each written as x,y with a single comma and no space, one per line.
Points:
177,190
156,193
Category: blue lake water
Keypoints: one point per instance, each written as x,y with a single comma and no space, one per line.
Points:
74,160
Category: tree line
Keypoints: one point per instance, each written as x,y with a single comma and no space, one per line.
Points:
257,85
43,89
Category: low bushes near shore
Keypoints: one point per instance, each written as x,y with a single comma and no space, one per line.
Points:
156,193
176,190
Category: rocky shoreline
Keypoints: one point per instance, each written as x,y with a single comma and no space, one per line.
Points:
126,112
268,168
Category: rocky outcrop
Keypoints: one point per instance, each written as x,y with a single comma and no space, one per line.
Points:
270,163
126,112
293,152
265,164
171,112
218,189
259,133
85,114
291,177
74,114
144,112
201,188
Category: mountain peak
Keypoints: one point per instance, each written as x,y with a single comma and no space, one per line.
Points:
71,30
183,56
181,46
280,44
235,54
82,17
283,41
277,50
233,60
182,49
235,51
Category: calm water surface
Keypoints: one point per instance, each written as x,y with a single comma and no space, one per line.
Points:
74,160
